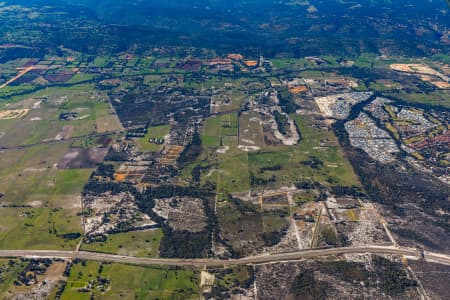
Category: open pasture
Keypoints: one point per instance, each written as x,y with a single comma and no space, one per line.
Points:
317,157
148,143
40,202
139,243
45,122
139,282
251,136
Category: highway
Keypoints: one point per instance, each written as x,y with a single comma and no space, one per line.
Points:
411,253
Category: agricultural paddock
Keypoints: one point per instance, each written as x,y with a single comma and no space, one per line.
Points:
43,121
275,166
39,228
251,136
13,114
46,204
157,132
140,282
317,157
136,243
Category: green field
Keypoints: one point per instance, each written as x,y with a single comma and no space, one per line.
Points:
233,170
41,202
153,80
158,132
318,143
438,98
42,123
220,143
32,169
291,63
140,243
130,282
9,271
371,60
38,228
212,132
50,196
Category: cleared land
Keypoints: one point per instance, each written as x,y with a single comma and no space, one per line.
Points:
13,114
158,132
221,141
139,243
43,120
317,157
251,136
294,163
138,282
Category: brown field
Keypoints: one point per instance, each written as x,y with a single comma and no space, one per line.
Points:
251,63
441,84
13,114
418,69
298,89
133,173
275,200
251,137
108,123
171,154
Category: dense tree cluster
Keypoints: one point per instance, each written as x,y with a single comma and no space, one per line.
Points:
286,100
191,151
393,277
180,243
306,287
282,122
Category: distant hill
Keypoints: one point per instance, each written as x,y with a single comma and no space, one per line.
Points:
279,27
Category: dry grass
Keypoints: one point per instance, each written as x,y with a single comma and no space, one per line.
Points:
13,114
298,89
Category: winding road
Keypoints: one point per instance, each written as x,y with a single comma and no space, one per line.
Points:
411,253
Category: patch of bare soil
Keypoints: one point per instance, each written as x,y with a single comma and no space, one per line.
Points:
182,213
82,158
65,133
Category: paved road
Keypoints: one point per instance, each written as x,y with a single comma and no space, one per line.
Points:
260,259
